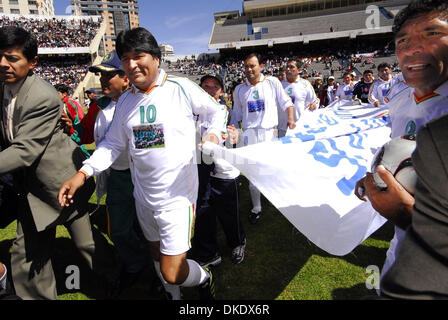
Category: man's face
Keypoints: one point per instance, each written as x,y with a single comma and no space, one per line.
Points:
91,95
112,85
141,69
62,95
385,73
422,51
212,87
368,77
282,76
331,82
14,66
292,72
347,78
252,69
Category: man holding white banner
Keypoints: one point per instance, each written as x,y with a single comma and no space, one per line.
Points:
421,38
302,95
255,105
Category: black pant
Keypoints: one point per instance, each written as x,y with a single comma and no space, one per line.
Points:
219,199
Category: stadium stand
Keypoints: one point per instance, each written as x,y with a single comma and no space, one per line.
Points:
53,32
68,45
344,22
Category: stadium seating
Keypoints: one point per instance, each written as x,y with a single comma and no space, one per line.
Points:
293,26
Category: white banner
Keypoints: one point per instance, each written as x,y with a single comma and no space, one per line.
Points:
310,174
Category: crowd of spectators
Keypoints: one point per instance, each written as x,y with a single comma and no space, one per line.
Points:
69,71
57,32
319,62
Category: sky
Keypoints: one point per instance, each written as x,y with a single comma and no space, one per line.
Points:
184,24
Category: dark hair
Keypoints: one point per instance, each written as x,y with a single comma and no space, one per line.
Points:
256,55
62,88
299,64
417,8
138,40
212,76
18,37
384,65
367,71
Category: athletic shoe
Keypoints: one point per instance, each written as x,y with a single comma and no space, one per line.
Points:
207,289
213,262
238,253
254,217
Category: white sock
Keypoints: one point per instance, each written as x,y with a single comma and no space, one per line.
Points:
3,279
172,289
255,196
196,276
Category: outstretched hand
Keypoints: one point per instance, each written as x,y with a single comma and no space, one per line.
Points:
68,189
233,134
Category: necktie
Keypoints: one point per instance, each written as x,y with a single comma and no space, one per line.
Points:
7,97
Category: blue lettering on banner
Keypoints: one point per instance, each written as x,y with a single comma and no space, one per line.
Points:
310,133
346,186
359,141
305,137
358,129
255,106
328,120
285,140
321,129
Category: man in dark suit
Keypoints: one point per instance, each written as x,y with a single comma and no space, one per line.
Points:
420,270
40,157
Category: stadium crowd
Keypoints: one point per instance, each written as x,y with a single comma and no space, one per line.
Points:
291,83
56,32
318,62
66,71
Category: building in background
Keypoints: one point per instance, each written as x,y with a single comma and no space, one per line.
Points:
166,50
118,15
26,7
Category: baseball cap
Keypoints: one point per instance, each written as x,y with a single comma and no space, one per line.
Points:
330,78
111,62
90,91
213,76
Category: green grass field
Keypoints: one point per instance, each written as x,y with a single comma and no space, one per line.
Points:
280,263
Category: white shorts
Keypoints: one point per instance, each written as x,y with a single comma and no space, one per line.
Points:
173,228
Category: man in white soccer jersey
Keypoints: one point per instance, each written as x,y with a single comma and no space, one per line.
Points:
155,119
255,105
421,39
301,93
381,86
345,90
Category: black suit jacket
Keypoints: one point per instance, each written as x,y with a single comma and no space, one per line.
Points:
41,156
421,268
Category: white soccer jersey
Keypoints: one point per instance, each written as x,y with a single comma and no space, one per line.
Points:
102,124
397,84
256,106
379,90
302,94
345,91
158,126
408,114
